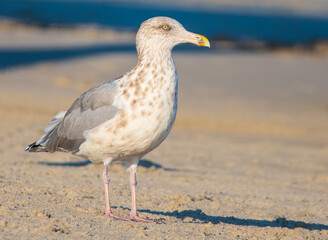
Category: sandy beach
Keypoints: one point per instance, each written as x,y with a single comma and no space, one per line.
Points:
246,159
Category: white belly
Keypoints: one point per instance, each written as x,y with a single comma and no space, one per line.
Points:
134,131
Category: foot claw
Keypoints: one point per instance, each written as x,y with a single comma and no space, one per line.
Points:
114,217
132,218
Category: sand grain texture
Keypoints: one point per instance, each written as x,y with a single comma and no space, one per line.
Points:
247,158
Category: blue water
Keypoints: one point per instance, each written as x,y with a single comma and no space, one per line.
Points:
237,24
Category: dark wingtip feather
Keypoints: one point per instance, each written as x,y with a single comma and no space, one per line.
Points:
33,147
30,147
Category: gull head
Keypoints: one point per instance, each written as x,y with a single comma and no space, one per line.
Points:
163,33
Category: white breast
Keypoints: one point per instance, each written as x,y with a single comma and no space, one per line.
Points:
148,106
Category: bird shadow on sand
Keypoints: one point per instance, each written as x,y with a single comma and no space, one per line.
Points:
66,164
144,163
198,216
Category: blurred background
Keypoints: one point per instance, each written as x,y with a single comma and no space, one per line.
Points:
268,58
253,109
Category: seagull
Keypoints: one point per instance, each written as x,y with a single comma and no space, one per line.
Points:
123,119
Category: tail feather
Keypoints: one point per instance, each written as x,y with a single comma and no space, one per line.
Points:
39,145
54,121
34,147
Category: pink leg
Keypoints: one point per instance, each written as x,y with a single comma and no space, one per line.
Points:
133,183
108,212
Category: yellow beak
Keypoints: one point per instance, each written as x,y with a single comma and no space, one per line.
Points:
194,38
204,42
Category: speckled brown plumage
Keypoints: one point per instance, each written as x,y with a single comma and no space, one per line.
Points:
124,119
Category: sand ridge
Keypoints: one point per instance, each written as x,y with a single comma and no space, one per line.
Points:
246,159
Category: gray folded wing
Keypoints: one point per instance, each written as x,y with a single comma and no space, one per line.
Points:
90,110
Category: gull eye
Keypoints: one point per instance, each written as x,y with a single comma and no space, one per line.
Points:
165,27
